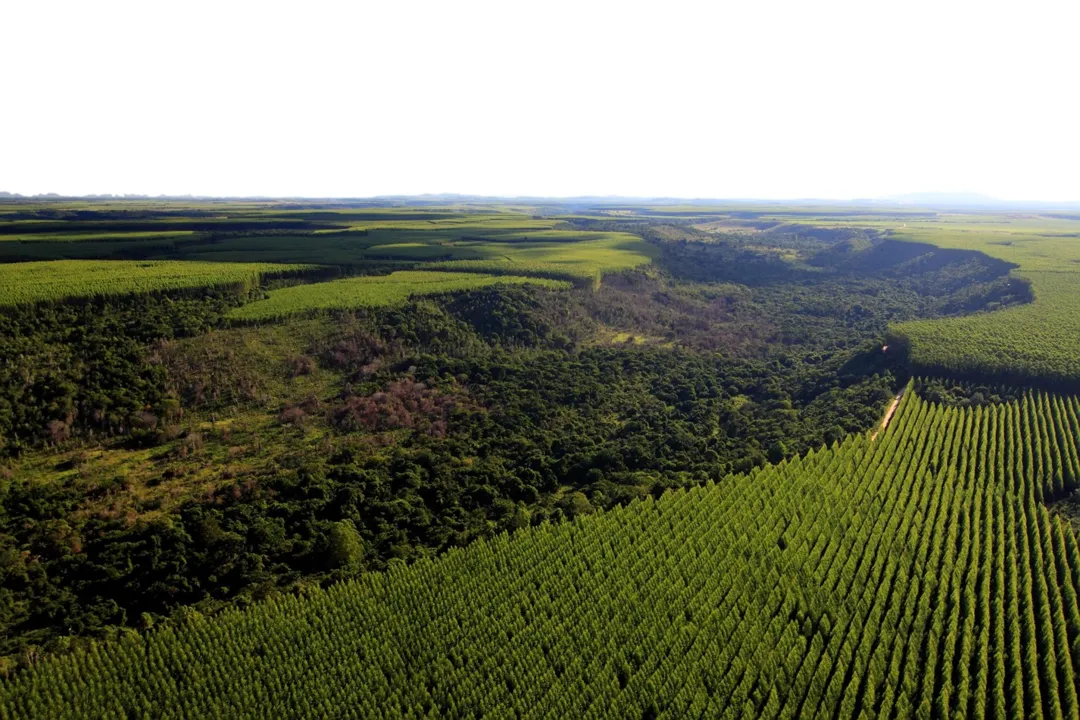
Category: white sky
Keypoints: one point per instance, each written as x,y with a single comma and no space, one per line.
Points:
711,99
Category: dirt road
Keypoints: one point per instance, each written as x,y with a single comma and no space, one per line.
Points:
888,414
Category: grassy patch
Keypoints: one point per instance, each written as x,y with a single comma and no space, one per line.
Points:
192,462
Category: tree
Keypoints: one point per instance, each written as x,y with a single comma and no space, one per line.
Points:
577,504
521,517
346,547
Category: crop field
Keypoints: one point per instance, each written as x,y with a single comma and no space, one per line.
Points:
583,262
487,225
151,248
34,282
373,291
333,249
916,574
580,257
1032,343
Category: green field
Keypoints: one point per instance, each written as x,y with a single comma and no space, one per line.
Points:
583,261
34,282
917,574
373,291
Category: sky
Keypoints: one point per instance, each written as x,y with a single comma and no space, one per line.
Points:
751,99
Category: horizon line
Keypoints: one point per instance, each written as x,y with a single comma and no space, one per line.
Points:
910,199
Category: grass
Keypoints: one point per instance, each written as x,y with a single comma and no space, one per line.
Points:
248,377
33,282
116,481
372,291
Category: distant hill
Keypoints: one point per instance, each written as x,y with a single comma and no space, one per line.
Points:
965,201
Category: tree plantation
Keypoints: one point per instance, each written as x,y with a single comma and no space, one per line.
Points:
394,288
40,282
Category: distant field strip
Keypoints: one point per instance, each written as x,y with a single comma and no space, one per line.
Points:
583,262
371,291
32,282
570,255
479,224
485,241
918,575
99,237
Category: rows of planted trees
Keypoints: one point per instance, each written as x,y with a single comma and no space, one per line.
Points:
1029,344
915,575
28,283
375,291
